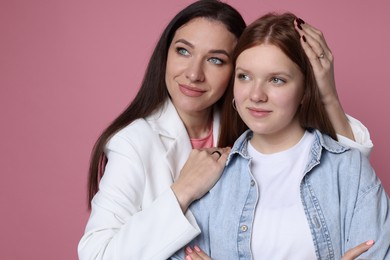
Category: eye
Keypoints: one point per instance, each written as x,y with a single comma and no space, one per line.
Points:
242,76
182,51
216,61
277,81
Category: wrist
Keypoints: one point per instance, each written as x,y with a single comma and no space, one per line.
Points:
183,198
331,101
338,118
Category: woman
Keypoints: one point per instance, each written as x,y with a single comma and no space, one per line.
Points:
297,193
140,210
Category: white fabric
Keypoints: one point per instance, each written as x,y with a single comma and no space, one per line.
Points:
362,137
280,228
135,214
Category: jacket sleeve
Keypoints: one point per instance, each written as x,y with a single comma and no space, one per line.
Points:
362,137
371,216
120,226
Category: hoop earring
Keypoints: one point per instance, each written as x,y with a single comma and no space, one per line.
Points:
234,104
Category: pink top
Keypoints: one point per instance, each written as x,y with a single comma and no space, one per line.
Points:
206,142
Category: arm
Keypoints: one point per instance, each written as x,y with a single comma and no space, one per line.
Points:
350,131
199,174
370,216
129,220
196,253
362,137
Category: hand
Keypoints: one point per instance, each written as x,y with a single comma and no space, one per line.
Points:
321,59
358,250
199,174
195,254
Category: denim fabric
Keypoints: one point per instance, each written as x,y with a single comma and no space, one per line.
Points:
344,202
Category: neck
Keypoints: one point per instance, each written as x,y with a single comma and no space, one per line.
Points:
277,142
197,124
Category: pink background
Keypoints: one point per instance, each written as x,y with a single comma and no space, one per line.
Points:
68,67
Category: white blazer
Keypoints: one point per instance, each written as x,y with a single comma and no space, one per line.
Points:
135,214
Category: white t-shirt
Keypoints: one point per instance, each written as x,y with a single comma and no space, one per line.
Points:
280,228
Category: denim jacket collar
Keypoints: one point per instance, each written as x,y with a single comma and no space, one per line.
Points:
240,147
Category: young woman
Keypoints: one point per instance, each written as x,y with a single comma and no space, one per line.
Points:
289,189
158,156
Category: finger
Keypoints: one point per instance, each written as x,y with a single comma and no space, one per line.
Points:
317,35
191,254
317,63
307,44
320,65
202,254
318,44
210,150
314,38
225,154
216,154
226,150
358,250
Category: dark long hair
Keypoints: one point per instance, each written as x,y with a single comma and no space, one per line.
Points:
153,91
278,30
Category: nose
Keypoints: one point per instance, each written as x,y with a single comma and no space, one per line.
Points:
258,93
194,71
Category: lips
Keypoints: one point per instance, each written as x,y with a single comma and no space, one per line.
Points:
258,112
191,91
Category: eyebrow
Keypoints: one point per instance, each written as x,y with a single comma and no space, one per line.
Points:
241,69
286,74
211,51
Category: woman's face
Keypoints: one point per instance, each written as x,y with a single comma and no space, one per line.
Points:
268,89
199,65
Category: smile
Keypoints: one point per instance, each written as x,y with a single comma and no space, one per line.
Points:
259,113
191,91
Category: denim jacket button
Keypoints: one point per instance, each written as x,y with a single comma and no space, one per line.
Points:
244,228
252,183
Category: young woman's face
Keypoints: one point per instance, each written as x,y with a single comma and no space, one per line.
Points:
199,65
268,89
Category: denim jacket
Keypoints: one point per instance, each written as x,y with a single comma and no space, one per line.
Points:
344,202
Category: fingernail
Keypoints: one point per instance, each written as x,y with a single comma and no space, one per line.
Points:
304,38
188,257
298,24
188,249
301,21
370,242
197,249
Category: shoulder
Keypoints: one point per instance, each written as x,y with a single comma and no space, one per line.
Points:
333,152
136,136
135,130
329,144
343,164
140,130
338,152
